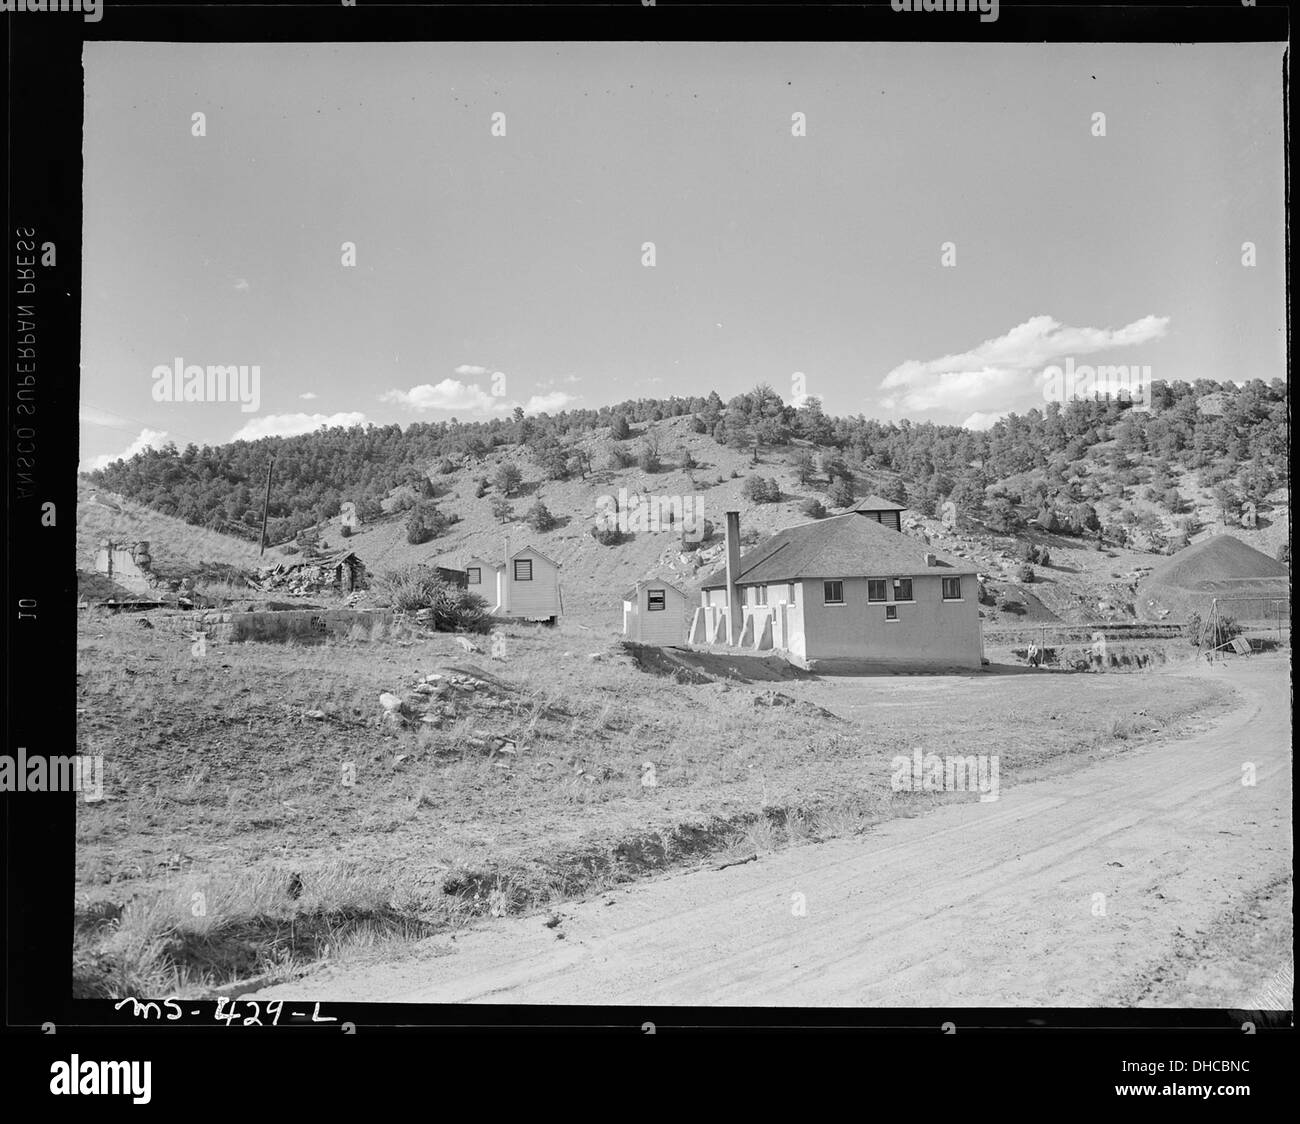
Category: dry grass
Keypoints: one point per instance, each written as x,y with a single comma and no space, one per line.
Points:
219,783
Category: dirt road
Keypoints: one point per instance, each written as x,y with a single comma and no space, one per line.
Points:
1069,891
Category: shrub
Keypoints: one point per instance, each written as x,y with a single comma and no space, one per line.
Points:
411,588
647,459
804,466
1025,573
539,517
424,523
840,493
508,478
760,489
619,457
502,509
608,536
688,461
619,430
813,508
705,532
480,489
445,467
345,531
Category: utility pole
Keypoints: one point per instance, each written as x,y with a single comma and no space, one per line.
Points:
266,503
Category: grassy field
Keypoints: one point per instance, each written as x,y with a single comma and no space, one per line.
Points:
261,812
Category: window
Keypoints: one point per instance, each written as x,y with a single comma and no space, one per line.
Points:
656,600
891,612
760,595
833,593
877,589
952,589
790,592
902,589
523,569
474,575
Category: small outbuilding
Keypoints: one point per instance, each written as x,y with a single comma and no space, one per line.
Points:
654,612
526,586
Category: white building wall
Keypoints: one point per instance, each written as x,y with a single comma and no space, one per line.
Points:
666,628
537,598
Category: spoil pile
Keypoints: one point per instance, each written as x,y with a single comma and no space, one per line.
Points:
1222,566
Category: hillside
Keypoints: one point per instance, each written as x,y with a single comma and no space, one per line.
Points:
1105,491
177,547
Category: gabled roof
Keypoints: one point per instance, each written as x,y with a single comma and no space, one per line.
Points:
334,558
473,558
533,550
630,595
843,546
876,503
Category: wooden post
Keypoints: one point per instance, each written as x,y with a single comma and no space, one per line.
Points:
266,504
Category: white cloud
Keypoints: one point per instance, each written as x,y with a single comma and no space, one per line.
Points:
470,370
450,394
455,396
148,439
293,425
980,420
242,285
572,378
308,395
92,415
1007,368
548,403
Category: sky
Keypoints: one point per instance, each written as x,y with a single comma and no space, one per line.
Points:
949,225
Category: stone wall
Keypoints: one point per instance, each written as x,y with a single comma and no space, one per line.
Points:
302,626
127,564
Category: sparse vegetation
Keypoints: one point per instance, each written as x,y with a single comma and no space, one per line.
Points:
761,489
539,517
508,478
840,492
294,867
426,522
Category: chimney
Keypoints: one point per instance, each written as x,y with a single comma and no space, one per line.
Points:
931,560
734,610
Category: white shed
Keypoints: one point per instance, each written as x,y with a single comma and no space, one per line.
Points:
654,612
530,586
484,578
526,586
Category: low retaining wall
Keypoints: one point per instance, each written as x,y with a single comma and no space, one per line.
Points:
1057,636
303,626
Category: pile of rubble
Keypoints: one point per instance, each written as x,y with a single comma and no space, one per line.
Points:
342,572
438,699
